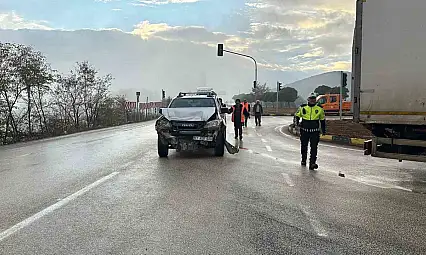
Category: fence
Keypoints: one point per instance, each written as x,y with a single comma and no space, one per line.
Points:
268,105
147,111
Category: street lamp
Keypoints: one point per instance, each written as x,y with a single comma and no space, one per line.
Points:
220,52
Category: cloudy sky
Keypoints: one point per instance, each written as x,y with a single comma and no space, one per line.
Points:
291,39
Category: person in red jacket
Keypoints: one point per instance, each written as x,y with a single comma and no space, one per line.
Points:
247,110
238,115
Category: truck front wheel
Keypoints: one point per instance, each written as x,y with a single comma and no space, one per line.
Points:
163,148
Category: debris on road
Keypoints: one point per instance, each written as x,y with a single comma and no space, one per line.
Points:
231,148
341,174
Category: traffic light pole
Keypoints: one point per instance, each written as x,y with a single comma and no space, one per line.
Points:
220,51
278,91
137,117
247,56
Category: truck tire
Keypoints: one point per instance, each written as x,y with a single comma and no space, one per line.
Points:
219,149
163,148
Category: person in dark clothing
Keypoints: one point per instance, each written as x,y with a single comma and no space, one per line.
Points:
313,123
238,114
258,111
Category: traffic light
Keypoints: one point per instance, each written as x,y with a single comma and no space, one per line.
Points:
220,49
254,84
279,88
344,79
163,94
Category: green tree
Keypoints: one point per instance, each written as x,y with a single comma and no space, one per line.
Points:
322,90
259,91
269,97
336,90
288,94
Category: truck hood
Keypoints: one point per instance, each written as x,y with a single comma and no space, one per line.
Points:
188,114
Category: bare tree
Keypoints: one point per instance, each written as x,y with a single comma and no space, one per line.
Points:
34,101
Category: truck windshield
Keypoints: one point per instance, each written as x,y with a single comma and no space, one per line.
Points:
192,102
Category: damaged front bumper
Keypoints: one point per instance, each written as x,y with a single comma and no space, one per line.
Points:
189,135
185,141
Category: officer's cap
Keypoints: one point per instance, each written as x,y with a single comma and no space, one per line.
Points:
312,95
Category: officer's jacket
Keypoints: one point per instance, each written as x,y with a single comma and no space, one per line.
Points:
312,117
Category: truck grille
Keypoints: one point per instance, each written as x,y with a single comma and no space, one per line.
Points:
187,127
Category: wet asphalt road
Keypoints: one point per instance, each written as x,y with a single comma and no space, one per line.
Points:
107,192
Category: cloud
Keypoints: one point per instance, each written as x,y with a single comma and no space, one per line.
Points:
289,39
294,35
162,2
192,34
11,20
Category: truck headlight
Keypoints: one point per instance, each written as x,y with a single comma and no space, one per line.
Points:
213,124
162,124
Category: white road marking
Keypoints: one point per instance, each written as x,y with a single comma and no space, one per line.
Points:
377,184
24,155
125,166
263,140
288,180
5,234
326,145
316,225
268,148
268,156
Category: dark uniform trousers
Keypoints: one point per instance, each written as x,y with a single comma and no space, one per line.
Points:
257,117
238,126
313,138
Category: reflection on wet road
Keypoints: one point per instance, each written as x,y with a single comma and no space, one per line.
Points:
107,192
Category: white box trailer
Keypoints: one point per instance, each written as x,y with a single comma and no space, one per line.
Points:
389,75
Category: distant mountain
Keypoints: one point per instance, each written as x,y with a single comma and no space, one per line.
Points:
308,85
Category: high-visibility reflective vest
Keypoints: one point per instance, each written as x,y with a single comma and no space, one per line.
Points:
311,117
242,113
246,106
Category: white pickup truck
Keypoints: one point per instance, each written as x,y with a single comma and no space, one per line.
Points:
389,77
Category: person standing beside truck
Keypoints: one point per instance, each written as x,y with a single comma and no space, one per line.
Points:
313,123
258,111
238,115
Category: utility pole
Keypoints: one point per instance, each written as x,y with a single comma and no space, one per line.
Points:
356,61
138,94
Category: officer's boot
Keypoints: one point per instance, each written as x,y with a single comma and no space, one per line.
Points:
304,157
312,164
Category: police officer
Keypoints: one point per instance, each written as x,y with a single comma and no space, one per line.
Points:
313,123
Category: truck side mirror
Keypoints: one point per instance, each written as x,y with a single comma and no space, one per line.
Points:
160,111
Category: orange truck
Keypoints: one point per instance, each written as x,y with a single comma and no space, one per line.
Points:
330,103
